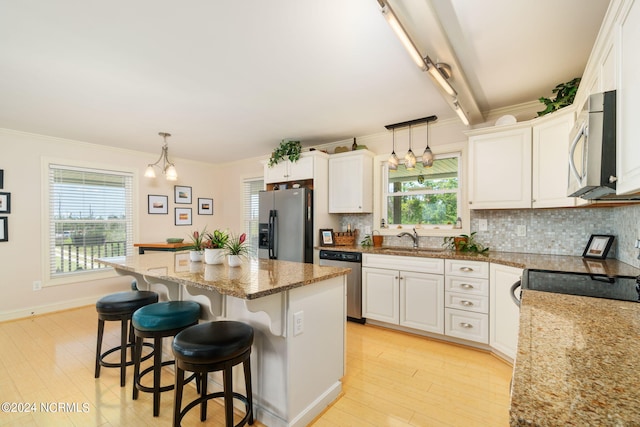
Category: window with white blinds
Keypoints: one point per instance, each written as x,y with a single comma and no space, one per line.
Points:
251,188
90,216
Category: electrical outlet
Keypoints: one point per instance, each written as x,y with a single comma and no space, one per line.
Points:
37,285
521,230
637,243
483,225
298,323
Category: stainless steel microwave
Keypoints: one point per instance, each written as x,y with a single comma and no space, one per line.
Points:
592,151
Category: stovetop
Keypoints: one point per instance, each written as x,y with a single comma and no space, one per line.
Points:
622,288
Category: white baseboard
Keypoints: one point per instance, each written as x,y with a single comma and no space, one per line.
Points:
50,308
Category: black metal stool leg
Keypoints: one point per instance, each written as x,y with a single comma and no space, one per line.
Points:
137,355
123,351
203,392
177,399
227,379
99,347
247,386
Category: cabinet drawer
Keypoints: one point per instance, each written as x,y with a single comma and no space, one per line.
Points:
467,285
465,268
467,302
467,325
407,263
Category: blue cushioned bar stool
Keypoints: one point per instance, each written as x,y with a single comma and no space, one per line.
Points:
120,307
157,321
210,347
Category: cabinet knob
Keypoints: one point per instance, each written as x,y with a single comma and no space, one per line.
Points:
466,269
470,202
466,286
466,325
466,303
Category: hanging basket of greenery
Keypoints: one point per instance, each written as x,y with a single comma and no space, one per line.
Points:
565,94
287,150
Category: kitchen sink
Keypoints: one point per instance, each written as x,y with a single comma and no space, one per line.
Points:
405,249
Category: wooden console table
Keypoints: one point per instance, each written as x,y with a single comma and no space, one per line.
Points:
167,247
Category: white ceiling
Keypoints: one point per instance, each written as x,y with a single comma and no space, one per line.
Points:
231,78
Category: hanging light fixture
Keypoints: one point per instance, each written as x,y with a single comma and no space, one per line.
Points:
393,159
427,156
410,158
167,167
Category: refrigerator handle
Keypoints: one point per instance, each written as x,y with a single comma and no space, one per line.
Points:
272,233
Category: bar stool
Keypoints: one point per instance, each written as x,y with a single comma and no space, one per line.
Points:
210,347
120,306
157,321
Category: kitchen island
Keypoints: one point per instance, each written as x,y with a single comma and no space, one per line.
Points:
297,311
577,362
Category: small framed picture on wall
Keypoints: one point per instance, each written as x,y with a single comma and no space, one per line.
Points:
5,202
158,204
1,178
183,194
205,206
4,229
183,216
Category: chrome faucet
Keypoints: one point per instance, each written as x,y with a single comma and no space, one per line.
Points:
413,236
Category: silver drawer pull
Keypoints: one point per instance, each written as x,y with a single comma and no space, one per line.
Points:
466,325
466,303
466,286
466,269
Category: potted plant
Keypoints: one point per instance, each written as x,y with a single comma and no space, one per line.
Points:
214,246
565,94
287,150
197,238
236,248
464,243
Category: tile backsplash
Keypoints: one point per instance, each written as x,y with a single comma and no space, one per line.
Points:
548,231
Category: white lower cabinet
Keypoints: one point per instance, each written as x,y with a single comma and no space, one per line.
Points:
467,300
504,313
397,295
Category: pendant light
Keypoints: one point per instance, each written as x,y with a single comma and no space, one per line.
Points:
167,167
427,156
410,158
393,159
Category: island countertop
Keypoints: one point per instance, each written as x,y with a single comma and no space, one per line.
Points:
577,362
255,278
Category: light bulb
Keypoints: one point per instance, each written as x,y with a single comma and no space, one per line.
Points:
150,172
171,173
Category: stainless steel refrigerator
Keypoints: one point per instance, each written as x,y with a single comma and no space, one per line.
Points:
286,225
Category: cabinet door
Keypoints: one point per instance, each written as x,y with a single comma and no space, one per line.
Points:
276,173
500,169
628,102
302,169
380,295
422,301
504,314
351,183
551,161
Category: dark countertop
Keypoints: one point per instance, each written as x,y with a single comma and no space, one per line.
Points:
576,264
253,279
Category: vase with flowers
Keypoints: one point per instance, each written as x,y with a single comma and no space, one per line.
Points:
236,249
214,246
197,247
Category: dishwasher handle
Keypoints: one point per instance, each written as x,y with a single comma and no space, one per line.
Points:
512,292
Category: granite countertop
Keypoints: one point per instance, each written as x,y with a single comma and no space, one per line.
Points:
254,279
577,362
575,264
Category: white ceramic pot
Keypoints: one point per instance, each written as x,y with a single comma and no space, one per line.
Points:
234,260
214,256
195,256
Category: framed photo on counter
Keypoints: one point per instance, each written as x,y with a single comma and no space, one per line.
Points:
598,246
326,237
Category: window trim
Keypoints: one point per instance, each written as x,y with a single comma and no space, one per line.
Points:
47,278
379,192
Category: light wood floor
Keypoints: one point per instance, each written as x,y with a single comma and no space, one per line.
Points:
393,379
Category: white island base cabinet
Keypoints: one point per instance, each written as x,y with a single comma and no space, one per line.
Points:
505,314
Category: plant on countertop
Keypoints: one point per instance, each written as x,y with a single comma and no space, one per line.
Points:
464,243
216,240
197,238
565,94
236,245
286,150
366,241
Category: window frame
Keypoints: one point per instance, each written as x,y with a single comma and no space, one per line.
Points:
380,191
46,225
247,220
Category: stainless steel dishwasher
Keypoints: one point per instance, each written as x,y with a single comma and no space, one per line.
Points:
352,260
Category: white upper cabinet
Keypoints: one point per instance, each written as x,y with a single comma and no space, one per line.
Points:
351,182
500,168
628,100
290,171
551,159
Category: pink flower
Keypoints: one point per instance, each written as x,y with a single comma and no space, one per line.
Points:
243,237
